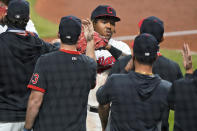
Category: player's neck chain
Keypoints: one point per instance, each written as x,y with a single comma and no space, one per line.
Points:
144,73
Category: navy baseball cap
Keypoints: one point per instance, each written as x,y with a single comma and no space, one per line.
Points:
18,10
145,45
70,29
105,11
152,25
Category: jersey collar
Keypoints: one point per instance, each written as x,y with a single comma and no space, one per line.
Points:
71,52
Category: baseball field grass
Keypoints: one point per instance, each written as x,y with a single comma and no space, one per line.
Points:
47,29
44,27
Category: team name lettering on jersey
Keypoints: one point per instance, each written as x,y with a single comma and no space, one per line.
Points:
108,61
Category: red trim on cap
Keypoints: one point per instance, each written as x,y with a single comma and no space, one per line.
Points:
155,20
70,52
140,23
36,88
107,15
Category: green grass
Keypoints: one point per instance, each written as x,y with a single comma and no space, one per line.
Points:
176,56
44,27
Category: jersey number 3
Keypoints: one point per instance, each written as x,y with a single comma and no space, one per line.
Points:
35,78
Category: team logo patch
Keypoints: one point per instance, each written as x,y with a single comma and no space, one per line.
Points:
74,58
35,78
109,10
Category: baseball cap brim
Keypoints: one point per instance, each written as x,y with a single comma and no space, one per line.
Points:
115,18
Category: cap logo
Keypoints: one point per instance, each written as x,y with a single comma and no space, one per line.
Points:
109,10
147,54
17,16
68,37
74,58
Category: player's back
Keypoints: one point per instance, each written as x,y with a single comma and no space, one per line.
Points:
138,101
68,80
18,53
184,96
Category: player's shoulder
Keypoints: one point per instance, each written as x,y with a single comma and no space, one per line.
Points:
49,55
185,85
165,85
125,58
117,43
120,45
3,28
168,61
118,78
184,81
87,59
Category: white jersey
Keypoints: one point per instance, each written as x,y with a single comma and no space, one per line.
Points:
30,27
105,60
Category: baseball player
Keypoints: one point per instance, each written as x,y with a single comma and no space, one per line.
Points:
183,96
61,82
164,67
19,51
139,98
3,26
104,20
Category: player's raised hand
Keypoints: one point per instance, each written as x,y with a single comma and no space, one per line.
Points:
89,36
187,58
88,29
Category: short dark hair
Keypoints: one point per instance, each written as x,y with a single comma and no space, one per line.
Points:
146,60
21,24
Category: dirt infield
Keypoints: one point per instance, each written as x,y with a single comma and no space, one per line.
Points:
177,15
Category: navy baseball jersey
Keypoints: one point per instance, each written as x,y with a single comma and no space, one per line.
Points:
139,102
65,77
19,52
182,98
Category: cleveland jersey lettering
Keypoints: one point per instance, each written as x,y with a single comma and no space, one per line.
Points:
106,61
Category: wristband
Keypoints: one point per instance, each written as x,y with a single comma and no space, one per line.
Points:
115,52
26,129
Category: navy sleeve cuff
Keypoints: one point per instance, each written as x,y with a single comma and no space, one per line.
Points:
26,129
116,53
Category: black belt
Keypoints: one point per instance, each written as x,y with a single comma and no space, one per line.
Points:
93,108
